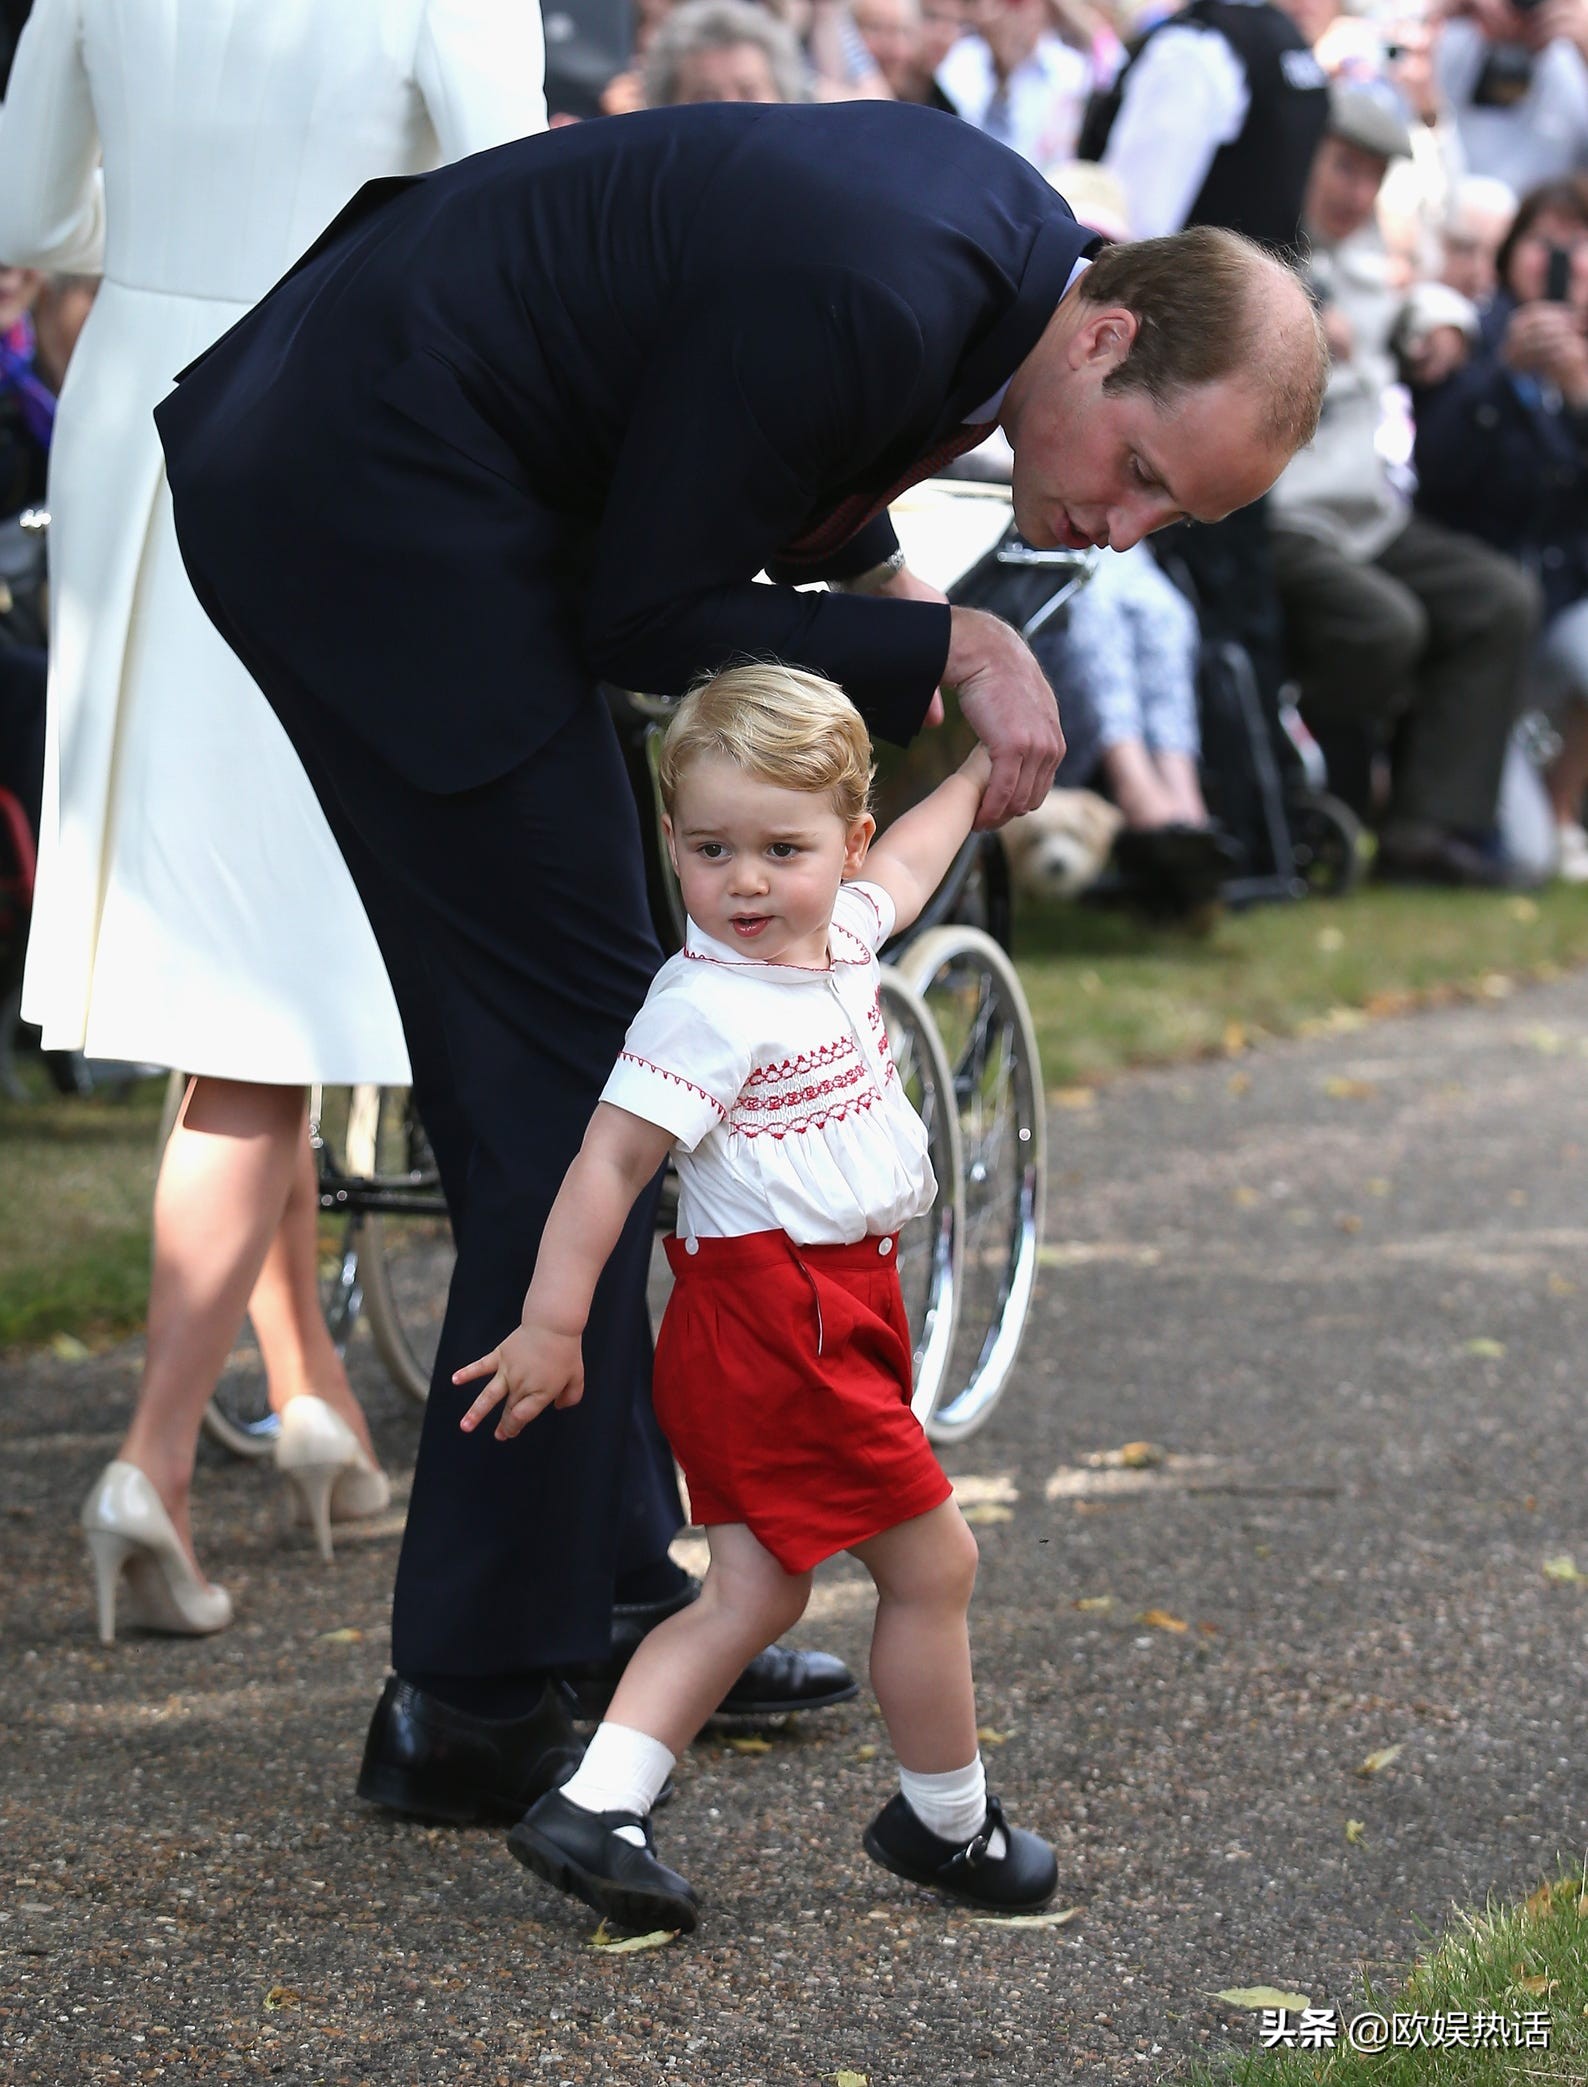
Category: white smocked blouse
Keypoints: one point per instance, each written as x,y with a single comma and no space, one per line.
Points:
778,1086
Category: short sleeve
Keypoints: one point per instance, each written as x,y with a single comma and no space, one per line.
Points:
867,911
677,1068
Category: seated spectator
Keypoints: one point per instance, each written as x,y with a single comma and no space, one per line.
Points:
27,398
908,40
1020,82
1399,631
1502,450
722,50
1516,82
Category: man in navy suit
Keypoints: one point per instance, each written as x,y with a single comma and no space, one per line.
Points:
536,421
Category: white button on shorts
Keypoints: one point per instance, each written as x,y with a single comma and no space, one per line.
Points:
884,1246
691,1246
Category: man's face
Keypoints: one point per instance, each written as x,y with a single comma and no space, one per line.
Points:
736,72
891,31
1094,467
1342,190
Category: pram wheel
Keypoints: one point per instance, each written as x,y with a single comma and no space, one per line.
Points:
1327,839
974,997
930,1246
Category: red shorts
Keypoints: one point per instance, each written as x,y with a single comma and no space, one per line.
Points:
783,1385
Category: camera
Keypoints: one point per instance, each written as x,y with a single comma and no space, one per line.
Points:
1557,275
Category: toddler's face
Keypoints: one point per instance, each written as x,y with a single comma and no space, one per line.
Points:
759,865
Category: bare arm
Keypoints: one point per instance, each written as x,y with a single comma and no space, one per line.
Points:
540,1363
913,856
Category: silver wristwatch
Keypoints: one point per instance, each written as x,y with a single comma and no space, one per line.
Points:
874,578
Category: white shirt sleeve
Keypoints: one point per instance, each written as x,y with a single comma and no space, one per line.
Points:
866,910
1186,95
481,67
52,196
678,1068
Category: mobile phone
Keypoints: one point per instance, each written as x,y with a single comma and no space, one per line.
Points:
1557,275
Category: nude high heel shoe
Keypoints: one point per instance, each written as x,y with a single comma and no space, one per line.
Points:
330,1477
131,1541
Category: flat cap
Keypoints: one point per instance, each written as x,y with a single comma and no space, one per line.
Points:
1369,118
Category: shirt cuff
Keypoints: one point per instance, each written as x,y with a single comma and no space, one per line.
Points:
657,1095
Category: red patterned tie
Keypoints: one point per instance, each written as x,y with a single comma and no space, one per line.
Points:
851,515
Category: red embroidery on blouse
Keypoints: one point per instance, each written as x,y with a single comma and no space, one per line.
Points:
807,1062
879,1027
793,1098
677,1079
803,1124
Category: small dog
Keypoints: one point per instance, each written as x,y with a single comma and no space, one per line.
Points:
1063,846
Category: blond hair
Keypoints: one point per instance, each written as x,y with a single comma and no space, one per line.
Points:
779,724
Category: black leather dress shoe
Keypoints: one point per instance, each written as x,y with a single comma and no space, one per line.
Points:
1018,1881
583,1853
430,1761
1431,855
775,1680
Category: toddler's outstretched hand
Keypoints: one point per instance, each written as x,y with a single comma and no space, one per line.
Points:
535,1367
978,766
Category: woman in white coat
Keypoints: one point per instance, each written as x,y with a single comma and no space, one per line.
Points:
192,907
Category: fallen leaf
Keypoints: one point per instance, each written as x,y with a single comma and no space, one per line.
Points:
1564,1568
751,1743
282,1996
1329,940
1523,909
1090,1604
1234,1038
1026,1920
987,1511
1538,1985
865,1753
1074,1097
1355,1832
1381,1759
346,1636
989,1735
850,2080
1561,1286
1239,1083
1134,1456
1160,1619
1348,1222
1265,1997
1490,1350
69,1348
1244,1197
658,1938
1549,1041
1540,1902
1341,1088
1582,1907
1377,1186
1496,986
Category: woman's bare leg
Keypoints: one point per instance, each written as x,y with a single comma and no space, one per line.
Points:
294,1340
1178,774
223,1185
1566,777
925,1570
685,1667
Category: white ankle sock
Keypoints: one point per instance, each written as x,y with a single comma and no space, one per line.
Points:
622,1771
953,1805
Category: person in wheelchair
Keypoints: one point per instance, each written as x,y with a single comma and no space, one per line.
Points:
760,1062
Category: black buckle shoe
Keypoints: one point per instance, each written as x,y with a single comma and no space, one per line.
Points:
1023,1878
775,1681
583,1854
430,1761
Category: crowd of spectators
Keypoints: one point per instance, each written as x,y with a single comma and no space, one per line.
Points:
1418,581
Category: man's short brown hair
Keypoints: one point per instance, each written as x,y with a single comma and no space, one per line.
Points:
1206,314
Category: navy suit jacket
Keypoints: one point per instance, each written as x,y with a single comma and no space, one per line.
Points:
540,417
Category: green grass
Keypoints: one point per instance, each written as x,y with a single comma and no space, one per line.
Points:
1106,990
1514,1961
1109,992
74,1217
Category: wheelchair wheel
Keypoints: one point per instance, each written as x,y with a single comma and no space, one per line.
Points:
238,1415
405,1259
1327,837
930,1245
975,999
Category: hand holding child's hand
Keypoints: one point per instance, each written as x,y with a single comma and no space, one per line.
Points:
535,1367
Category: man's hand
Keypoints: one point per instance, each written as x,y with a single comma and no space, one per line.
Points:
1546,340
1008,704
535,1367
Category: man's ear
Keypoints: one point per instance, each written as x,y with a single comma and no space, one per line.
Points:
1105,340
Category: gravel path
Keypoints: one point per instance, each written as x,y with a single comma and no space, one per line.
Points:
1340,1285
